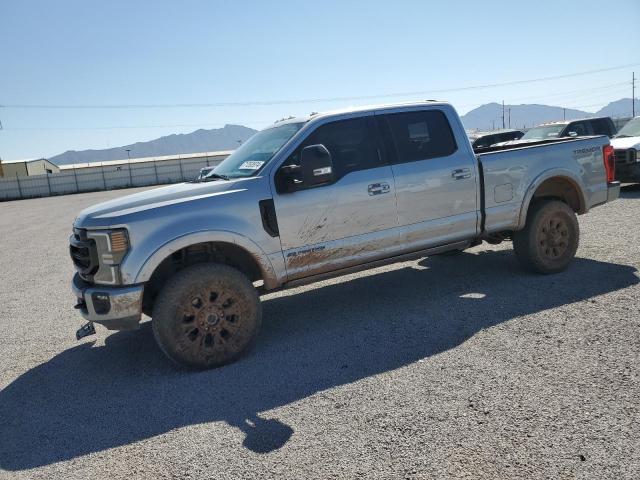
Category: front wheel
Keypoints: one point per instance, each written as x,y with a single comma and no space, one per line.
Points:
206,315
549,240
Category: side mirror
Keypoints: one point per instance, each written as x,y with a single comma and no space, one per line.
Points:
316,168
573,134
316,165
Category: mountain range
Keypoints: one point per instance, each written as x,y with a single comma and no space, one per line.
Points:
217,139
489,116
485,117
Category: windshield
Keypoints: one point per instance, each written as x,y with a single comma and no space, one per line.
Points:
544,132
631,129
255,152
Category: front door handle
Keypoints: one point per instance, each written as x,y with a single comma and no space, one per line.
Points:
460,173
378,188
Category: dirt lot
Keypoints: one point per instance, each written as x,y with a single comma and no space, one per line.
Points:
448,367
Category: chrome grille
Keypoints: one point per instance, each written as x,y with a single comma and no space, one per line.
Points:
624,156
83,253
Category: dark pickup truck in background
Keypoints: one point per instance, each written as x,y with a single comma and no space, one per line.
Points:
567,129
481,140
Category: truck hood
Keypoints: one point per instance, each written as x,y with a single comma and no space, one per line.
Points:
106,214
626,142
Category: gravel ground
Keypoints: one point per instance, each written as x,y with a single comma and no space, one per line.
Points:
448,367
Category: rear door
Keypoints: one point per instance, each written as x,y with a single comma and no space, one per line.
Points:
435,177
350,221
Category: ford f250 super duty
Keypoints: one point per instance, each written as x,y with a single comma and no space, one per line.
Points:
320,196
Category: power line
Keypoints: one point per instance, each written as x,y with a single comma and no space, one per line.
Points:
268,122
573,95
125,127
318,100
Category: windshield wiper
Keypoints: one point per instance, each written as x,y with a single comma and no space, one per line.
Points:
214,176
622,136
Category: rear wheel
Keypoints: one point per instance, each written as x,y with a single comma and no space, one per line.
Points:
206,315
549,240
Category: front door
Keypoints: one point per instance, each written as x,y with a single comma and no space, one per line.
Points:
350,221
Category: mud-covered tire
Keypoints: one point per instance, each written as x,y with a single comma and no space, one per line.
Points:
549,240
206,315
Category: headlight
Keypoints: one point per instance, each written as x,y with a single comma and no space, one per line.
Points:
112,246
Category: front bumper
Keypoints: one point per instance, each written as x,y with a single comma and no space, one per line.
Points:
613,191
117,308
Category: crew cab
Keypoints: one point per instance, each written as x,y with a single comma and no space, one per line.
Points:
320,196
626,145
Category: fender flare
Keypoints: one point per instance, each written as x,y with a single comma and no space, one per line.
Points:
563,173
261,258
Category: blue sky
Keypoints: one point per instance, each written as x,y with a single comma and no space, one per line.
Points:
196,51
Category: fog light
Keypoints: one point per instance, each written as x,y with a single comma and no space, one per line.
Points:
101,303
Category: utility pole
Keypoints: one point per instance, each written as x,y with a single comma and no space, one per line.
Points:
633,94
564,113
509,117
502,113
129,166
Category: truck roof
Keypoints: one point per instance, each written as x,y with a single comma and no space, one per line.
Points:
364,108
566,122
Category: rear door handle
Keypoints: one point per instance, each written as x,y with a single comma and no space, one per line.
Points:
378,188
460,173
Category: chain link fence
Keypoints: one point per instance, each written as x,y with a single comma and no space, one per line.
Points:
106,177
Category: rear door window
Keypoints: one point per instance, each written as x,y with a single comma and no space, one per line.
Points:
421,135
601,127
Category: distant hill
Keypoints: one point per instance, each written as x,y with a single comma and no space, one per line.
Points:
199,141
489,116
619,108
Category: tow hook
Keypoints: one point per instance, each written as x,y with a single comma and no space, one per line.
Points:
85,330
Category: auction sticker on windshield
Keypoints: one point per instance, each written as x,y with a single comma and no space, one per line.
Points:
251,165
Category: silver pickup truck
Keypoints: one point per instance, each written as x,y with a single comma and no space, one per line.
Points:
320,196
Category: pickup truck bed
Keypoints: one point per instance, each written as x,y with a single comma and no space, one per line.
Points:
512,175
